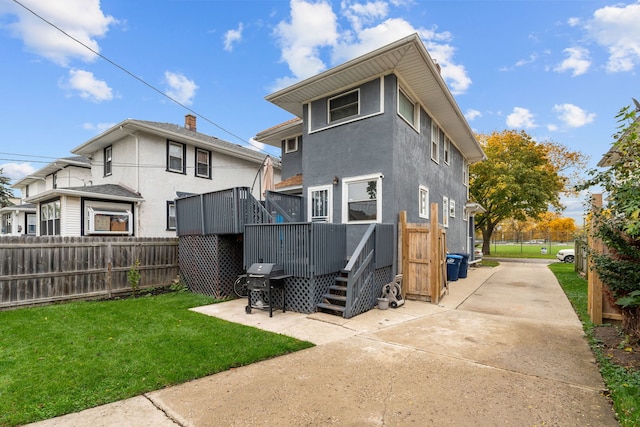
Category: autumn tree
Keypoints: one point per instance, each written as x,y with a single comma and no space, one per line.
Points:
520,179
5,192
618,226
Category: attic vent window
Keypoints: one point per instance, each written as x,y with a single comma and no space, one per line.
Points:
343,106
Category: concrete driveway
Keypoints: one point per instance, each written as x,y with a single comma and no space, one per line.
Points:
504,347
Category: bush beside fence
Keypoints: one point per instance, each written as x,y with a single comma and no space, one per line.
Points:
35,270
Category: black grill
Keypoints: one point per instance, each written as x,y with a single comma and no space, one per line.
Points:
263,277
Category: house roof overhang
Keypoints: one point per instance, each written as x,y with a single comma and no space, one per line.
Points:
408,58
130,127
26,207
53,167
103,192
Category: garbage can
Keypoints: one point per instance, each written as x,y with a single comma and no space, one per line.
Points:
453,267
464,264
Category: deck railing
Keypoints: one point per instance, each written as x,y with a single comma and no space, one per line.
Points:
360,271
303,249
284,207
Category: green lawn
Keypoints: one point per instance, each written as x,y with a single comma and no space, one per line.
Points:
624,385
68,357
527,251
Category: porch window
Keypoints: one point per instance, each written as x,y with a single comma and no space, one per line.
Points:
31,224
362,199
6,223
203,163
345,105
424,202
407,108
171,215
435,147
445,211
320,205
108,160
50,218
110,221
175,157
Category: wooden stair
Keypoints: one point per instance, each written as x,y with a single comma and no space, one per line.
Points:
334,302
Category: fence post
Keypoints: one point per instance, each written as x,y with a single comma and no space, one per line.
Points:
594,290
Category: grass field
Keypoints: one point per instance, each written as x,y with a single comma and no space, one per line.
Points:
623,384
527,251
68,357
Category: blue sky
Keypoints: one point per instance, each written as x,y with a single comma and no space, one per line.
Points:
560,70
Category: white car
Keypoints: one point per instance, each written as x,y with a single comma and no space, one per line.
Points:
566,255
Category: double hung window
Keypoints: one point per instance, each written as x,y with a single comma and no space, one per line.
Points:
203,163
108,160
407,108
423,199
171,215
435,146
175,157
445,211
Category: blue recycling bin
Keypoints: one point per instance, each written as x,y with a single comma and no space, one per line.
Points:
464,265
453,267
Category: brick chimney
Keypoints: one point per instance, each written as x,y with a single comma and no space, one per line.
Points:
190,122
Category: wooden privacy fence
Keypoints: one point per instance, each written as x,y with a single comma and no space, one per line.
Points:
35,270
598,305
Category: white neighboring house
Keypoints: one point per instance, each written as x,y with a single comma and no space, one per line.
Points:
137,170
21,217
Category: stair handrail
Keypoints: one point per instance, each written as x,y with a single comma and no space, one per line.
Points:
362,261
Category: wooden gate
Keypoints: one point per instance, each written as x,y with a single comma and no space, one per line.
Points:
423,250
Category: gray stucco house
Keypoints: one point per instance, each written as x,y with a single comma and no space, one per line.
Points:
375,136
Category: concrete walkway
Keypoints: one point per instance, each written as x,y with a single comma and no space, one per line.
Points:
504,347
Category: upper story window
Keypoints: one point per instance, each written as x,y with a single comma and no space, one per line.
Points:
362,199
452,208
203,163
291,144
407,108
465,173
435,146
447,150
175,157
54,179
424,202
108,160
26,191
345,105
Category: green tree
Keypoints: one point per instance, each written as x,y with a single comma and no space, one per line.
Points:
618,226
5,192
520,179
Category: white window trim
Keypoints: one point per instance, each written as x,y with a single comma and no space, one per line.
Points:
416,110
423,214
445,211
98,211
452,208
345,197
435,131
286,145
447,150
329,189
357,114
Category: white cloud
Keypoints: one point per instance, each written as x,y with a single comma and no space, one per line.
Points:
88,86
17,171
180,87
616,28
98,127
572,115
472,114
578,61
312,26
313,29
521,118
231,37
81,19
552,127
573,22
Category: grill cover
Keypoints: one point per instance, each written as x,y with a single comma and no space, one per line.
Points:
265,269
